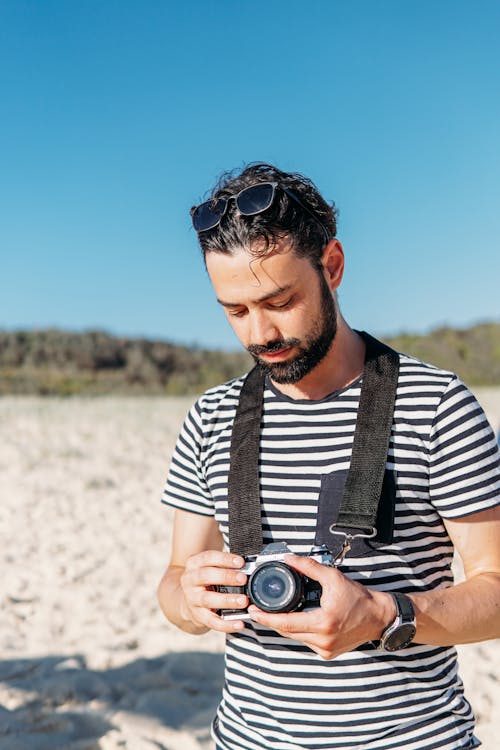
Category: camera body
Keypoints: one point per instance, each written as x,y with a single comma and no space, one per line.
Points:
274,586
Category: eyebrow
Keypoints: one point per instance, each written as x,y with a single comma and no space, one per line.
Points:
264,298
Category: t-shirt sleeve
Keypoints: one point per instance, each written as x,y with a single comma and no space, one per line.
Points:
186,487
464,462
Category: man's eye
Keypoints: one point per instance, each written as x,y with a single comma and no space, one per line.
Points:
281,305
236,313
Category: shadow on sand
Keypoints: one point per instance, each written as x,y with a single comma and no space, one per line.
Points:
57,703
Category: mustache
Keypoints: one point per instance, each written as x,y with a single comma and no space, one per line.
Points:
272,346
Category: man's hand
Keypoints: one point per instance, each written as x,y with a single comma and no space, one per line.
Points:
202,573
350,614
186,591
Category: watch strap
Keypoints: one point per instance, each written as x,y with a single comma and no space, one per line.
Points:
404,607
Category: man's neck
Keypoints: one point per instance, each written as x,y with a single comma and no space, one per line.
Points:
343,364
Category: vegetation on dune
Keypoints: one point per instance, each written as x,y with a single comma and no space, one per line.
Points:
472,353
55,362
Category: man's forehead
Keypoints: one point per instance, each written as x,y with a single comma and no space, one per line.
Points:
256,255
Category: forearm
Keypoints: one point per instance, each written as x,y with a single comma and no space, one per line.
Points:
173,602
466,613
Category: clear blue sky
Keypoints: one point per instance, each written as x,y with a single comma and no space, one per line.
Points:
117,115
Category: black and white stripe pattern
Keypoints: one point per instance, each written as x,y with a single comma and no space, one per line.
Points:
278,693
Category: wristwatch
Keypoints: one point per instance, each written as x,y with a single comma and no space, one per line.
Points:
401,631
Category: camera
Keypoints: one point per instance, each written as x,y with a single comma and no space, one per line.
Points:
274,586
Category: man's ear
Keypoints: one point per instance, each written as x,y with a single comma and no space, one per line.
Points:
332,261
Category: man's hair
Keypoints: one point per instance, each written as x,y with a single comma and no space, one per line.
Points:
284,218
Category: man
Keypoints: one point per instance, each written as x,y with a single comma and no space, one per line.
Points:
315,678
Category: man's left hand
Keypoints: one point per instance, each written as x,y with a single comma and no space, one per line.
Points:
350,614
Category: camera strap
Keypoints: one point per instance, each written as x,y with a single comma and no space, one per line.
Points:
362,492
243,495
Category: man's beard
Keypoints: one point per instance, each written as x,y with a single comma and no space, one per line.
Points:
311,351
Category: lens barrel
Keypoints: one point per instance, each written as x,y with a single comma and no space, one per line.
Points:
274,587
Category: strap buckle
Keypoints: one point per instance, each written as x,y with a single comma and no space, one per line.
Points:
347,543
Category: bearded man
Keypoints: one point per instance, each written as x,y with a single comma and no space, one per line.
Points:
372,665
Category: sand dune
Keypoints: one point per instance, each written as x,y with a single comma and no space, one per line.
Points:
87,662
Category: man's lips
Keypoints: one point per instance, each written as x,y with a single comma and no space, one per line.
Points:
280,354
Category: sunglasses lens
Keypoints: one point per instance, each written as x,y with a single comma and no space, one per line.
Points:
255,199
208,215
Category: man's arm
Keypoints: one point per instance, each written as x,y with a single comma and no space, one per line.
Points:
351,614
470,611
197,565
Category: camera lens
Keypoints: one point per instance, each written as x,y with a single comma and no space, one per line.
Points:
274,587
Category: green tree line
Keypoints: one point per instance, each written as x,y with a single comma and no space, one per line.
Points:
55,362
472,353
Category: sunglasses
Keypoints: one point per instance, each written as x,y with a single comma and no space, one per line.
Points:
250,201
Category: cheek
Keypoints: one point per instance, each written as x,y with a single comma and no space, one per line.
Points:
239,328
298,321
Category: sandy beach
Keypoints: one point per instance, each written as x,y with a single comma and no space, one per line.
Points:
87,662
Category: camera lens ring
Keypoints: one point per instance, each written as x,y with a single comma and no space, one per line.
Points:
275,587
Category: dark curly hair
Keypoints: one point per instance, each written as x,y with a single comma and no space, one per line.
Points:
284,218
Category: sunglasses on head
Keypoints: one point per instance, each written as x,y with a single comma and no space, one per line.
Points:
250,201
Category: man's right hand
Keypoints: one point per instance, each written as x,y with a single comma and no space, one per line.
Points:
197,566
201,576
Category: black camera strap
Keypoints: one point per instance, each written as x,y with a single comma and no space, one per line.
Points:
243,495
362,492
371,436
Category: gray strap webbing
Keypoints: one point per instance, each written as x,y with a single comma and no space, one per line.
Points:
369,454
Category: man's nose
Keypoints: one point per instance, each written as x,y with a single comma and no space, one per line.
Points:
262,329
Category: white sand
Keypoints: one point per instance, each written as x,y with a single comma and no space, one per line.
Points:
86,659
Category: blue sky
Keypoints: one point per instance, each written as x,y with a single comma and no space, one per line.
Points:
117,115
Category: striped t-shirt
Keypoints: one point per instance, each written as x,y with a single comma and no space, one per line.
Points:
279,694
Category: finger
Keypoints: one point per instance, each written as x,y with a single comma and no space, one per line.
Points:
288,622
324,574
215,622
215,558
317,639
217,600
214,577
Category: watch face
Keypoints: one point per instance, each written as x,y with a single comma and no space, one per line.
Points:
400,637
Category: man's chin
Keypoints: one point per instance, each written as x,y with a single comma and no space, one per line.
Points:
284,373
